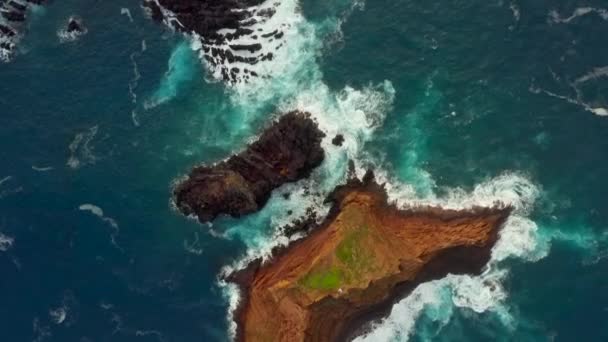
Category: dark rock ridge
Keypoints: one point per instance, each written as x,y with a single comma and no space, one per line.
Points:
234,34
13,17
286,152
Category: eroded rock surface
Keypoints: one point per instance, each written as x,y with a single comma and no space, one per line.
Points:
235,35
13,23
366,255
285,152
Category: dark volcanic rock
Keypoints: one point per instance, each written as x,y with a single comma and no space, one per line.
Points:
285,152
74,25
13,18
231,31
338,140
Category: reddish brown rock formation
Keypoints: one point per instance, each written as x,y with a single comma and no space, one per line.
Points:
285,152
351,269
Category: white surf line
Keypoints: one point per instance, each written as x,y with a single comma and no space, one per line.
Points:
97,211
555,17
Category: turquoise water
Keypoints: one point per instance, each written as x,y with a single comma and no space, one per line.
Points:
453,102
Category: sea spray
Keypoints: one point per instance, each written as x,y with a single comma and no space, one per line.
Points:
181,68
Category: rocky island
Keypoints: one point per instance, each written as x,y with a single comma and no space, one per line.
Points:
366,255
285,152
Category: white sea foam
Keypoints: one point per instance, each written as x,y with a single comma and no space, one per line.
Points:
599,111
179,71
97,211
42,168
5,179
81,153
193,247
125,11
135,81
355,114
41,332
515,10
594,74
66,37
58,315
6,242
555,17
7,192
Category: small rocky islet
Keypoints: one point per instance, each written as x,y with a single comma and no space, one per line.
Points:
287,151
350,269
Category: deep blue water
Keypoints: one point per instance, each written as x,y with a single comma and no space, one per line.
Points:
481,90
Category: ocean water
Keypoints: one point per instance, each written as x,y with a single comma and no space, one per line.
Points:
453,103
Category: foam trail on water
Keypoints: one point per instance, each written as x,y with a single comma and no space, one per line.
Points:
135,80
125,11
42,168
592,75
179,71
555,17
97,211
81,153
599,111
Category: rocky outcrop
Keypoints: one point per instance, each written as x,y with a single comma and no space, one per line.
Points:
74,26
13,17
285,152
338,140
72,30
235,34
363,257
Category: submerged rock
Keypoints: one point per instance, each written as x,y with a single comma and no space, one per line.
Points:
73,30
366,255
285,152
